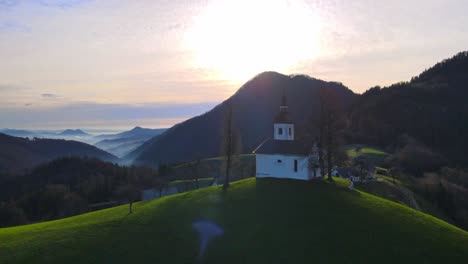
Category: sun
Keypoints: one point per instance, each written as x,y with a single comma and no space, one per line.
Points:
238,39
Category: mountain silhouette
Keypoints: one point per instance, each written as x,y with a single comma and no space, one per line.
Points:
255,105
123,143
73,132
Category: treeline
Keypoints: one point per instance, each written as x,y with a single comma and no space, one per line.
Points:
429,175
21,155
448,189
431,108
424,123
66,187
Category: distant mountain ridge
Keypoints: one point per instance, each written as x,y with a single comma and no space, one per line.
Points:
73,132
134,132
19,154
17,132
123,143
255,105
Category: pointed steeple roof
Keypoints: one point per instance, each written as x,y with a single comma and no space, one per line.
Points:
283,99
283,116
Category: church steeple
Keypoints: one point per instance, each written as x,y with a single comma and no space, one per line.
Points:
283,128
283,115
284,105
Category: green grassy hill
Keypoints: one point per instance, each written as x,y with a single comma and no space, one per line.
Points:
264,221
372,154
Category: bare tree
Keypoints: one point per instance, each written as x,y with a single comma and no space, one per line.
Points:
361,164
321,143
128,193
195,171
330,143
329,126
314,159
230,144
160,183
163,177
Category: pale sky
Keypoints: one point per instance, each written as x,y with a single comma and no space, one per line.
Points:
117,64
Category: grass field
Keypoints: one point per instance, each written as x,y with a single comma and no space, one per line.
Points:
264,221
385,190
353,151
389,179
244,167
373,154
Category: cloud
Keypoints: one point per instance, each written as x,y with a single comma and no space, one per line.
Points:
95,115
14,27
7,88
62,3
7,4
49,96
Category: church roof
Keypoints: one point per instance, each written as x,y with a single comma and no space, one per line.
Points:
282,118
291,147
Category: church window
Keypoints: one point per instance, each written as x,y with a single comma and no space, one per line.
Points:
295,165
290,131
280,131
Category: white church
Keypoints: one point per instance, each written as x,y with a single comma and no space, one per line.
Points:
284,157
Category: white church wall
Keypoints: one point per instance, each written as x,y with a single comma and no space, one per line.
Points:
270,166
287,131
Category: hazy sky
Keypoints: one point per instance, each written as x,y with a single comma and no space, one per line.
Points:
101,64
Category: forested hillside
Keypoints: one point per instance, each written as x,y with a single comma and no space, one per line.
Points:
66,187
431,108
18,155
424,124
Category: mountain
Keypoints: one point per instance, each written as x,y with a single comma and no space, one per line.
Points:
257,221
73,132
20,154
68,134
255,105
121,146
431,108
123,143
17,132
133,133
141,132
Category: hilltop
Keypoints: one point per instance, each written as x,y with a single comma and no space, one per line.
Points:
264,221
254,105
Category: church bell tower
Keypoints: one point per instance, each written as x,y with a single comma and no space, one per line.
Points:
283,128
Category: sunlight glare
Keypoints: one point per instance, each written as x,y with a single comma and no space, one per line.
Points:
238,39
